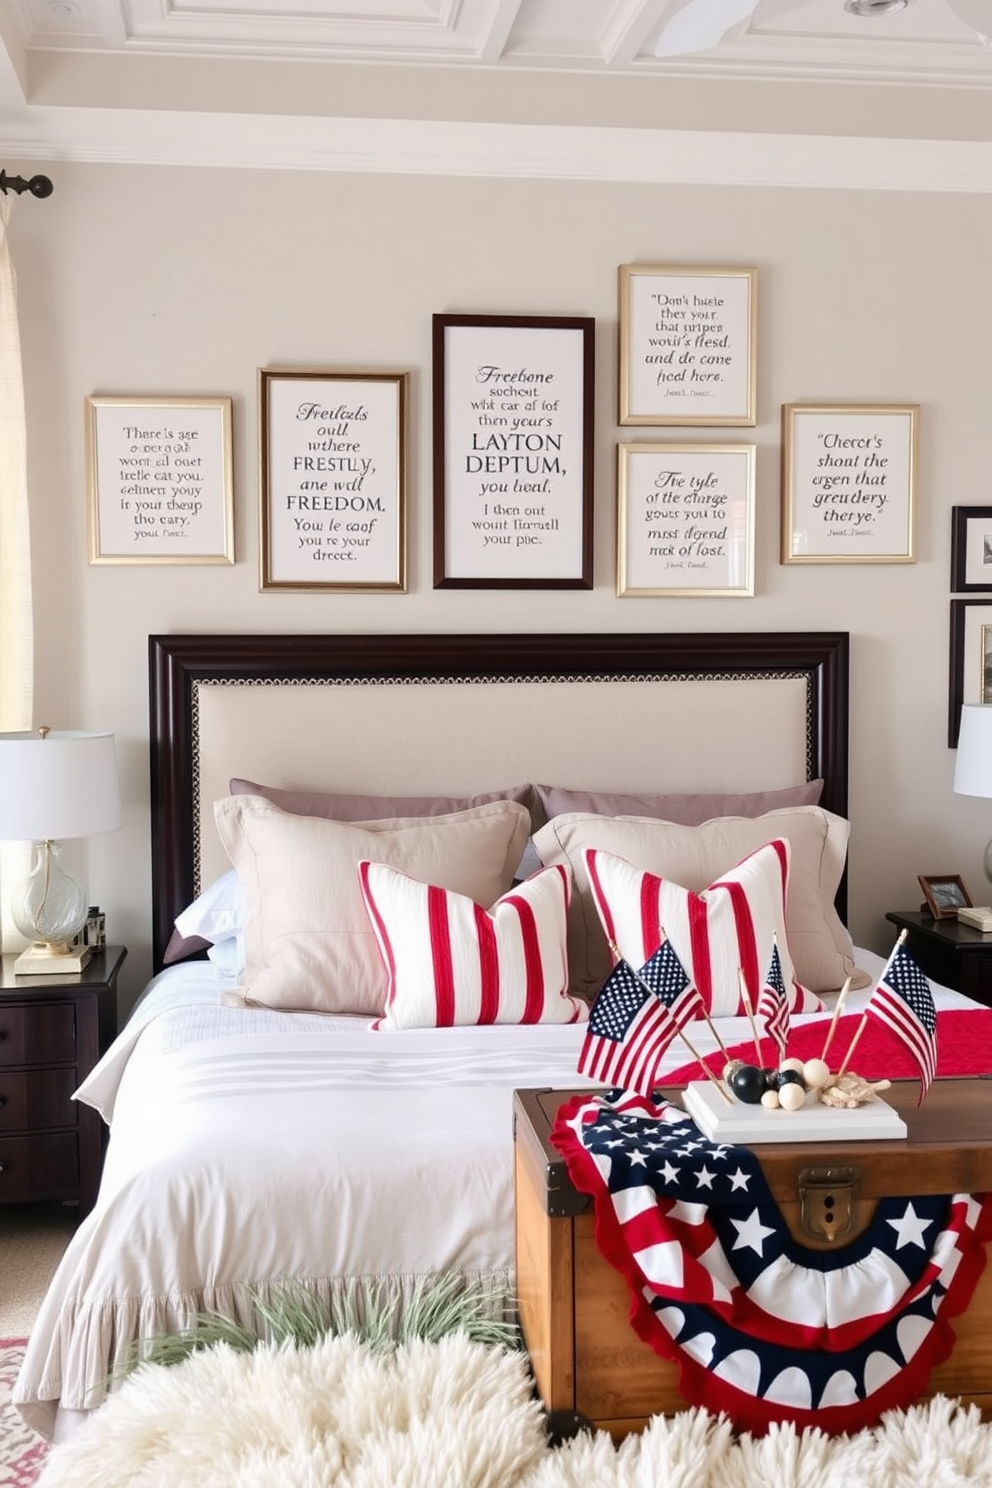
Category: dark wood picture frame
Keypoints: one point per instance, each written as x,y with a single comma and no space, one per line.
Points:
945,894
963,543
565,433
966,662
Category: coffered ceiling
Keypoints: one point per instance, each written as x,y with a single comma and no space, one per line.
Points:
499,85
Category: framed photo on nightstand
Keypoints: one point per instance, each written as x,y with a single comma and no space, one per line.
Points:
945,894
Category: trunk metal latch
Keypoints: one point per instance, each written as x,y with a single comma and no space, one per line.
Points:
826,1202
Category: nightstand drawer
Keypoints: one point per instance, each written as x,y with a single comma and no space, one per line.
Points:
38,1167
38,1033
37,1100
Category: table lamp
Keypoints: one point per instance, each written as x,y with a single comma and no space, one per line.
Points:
973,767
55,785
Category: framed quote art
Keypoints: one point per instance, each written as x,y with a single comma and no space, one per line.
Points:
687,345
849,483
333,456
159,480
513,451
685,520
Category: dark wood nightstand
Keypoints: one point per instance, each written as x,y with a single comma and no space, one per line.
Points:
956,955
53,1029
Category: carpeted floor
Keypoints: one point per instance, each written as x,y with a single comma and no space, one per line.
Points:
458,1414
32,1240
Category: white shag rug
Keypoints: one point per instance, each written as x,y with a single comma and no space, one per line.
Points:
458,1414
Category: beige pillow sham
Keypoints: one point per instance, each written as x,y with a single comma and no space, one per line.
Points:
694,857
309,945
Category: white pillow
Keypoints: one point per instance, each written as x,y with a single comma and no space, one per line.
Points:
216,914
309,945
228,956
450,962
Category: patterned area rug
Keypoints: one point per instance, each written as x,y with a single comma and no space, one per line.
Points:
22,1453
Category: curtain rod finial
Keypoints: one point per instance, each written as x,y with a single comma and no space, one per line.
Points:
39,186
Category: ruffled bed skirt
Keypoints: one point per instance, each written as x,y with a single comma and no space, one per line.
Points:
94,1343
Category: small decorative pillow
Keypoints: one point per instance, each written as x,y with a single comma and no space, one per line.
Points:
450,962
727,930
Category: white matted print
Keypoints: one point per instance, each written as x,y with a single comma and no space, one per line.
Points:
685,520
159,480
513,451
333,478
687,345
849,483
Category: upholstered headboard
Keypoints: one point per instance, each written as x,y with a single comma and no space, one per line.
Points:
462,714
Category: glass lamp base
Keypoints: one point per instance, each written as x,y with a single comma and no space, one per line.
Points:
49,907
988,862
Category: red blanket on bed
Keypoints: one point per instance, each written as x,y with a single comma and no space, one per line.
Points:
964,1047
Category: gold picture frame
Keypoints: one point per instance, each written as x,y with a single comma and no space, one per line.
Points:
333,480
685,520
849,473
159,479
687,345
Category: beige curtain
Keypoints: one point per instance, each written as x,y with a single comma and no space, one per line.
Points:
16,621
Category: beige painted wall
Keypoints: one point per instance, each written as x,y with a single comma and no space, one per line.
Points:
156,280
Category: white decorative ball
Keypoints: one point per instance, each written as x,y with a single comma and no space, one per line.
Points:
792,1064
770,1100
816,1073
791,1096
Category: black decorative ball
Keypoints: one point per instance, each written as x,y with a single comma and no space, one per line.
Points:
748,1084
789,1077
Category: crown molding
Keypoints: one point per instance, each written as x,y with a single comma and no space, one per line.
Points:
524,151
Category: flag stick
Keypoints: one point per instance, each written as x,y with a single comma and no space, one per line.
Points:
834,1020
745,996
853,1044
706,1069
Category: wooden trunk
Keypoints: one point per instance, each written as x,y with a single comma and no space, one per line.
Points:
589,1364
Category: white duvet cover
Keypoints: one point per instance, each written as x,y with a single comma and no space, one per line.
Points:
248,1146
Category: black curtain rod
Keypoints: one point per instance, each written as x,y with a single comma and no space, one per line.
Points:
38,185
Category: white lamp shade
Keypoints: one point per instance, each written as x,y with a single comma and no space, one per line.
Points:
61,785
973,768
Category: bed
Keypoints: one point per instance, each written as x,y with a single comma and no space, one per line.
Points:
260,1129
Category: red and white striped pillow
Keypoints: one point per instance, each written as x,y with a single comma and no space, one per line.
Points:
450,962
727,929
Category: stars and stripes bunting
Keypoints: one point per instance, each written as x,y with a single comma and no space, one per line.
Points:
760,1326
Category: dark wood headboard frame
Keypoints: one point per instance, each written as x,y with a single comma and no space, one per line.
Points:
178,662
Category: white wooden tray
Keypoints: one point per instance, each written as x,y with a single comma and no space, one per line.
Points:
813,1122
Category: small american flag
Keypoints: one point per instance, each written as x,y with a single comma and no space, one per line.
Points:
903,1002
629,1030
773,1004
666,976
